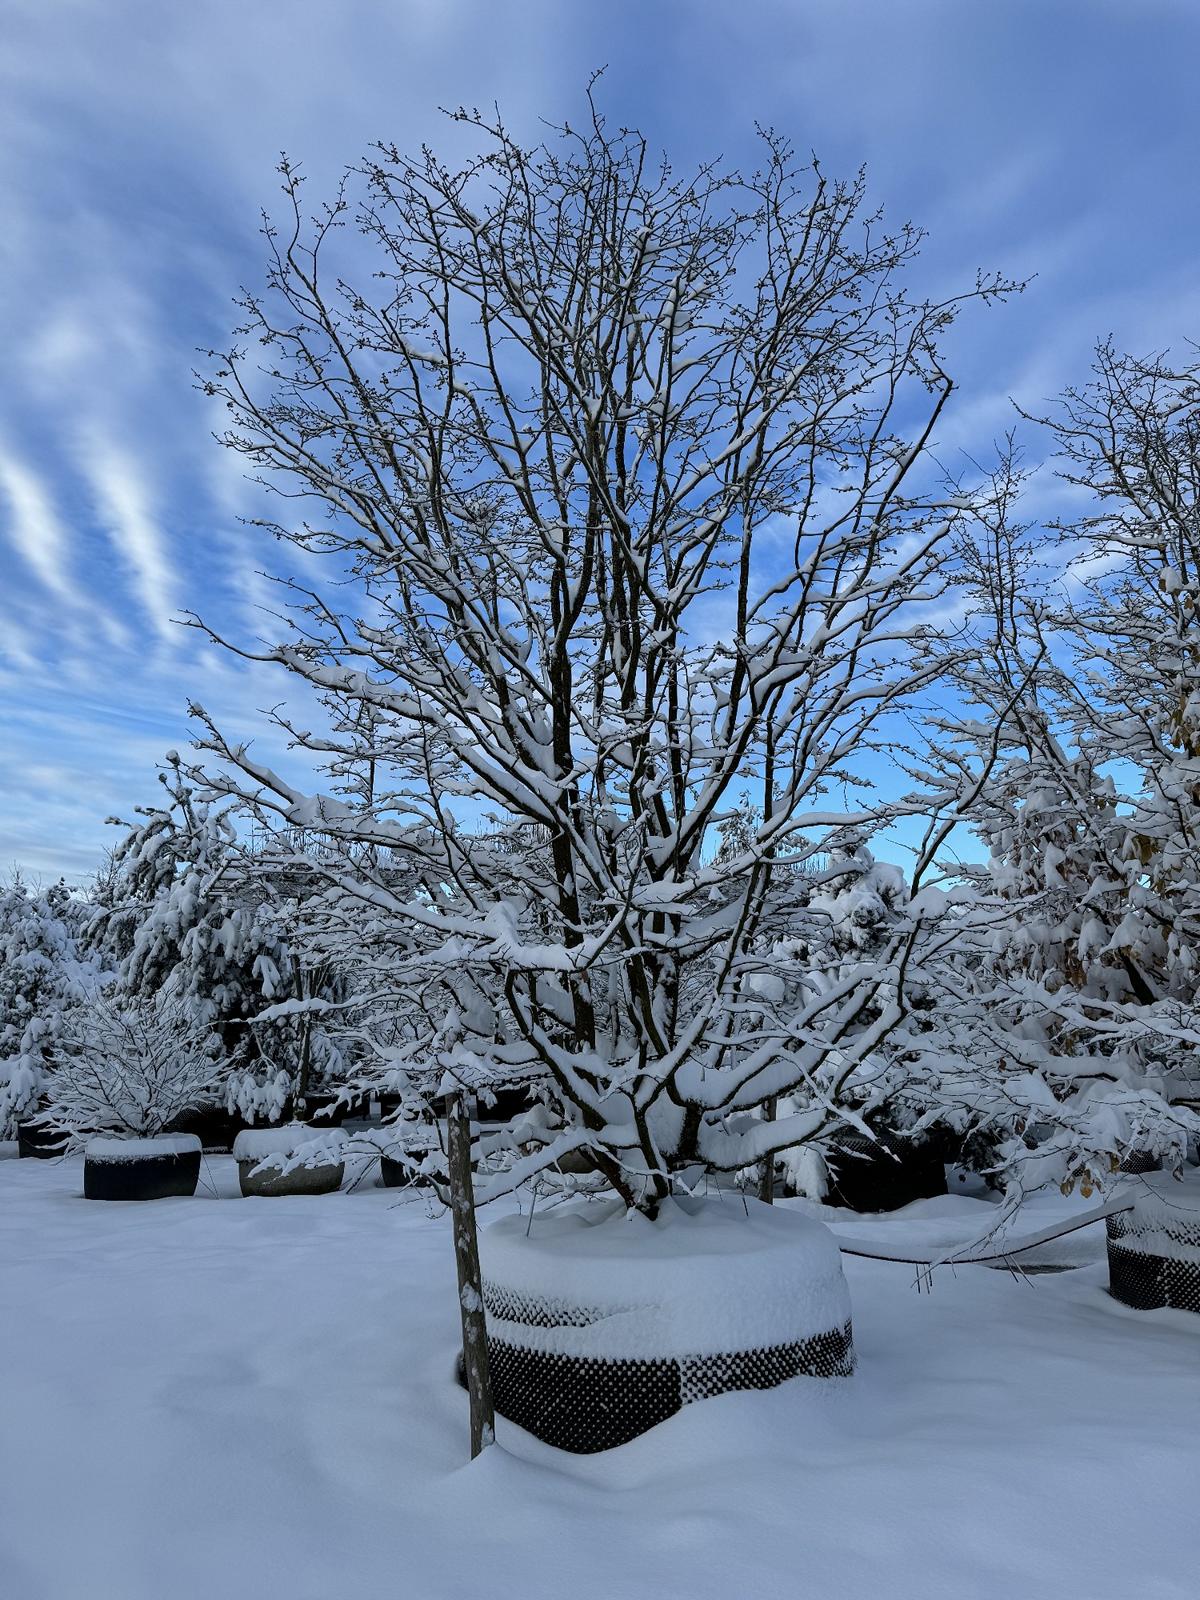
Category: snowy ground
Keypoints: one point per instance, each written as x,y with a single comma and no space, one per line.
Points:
254,1398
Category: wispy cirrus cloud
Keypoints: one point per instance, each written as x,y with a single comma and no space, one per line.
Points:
33,527
137,142
125,508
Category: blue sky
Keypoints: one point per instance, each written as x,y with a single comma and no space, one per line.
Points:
138,140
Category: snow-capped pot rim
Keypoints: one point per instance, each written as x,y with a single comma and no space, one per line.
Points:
707,1276
110,1147
1164,1220
252,1144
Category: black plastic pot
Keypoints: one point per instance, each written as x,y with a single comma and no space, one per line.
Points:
256,1179
141,1177
507,1102
38,1143
396,1175
866,1175
323,1110
215,1127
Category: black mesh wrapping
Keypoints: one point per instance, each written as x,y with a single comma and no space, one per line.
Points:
1143,1269
584,1404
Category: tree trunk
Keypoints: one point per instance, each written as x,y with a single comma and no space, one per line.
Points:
470,1284
766,1173
300,1098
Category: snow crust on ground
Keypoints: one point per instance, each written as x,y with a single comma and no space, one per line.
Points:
707,1276
209,1397
162,1144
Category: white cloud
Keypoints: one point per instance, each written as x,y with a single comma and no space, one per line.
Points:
34,530
124,506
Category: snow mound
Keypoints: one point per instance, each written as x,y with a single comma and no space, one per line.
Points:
707,1277
162,1144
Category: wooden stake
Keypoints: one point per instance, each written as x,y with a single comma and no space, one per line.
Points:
470,1281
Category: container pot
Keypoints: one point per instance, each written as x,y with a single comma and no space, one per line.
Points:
141,1169
507,1102
39,1143
601,1325
294,1159
396,1175
215,1127
1154,1248
323,1110
883,1174
411,1137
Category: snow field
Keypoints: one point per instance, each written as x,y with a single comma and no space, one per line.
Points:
257,1399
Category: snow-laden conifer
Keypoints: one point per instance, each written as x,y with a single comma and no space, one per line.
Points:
1084,990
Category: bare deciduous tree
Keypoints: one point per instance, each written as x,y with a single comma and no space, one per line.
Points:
627,473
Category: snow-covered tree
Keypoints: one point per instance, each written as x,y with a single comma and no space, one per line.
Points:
129,1065
185,913
627,473
1092,817
44,972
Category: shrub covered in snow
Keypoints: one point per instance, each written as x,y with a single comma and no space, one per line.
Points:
129,1066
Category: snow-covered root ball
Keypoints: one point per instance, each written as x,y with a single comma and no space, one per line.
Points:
141,1169
602,1323
1154,1248
293,1159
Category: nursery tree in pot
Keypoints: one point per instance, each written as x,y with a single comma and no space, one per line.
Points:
628,470
125,1069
